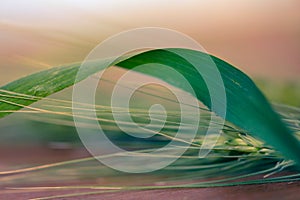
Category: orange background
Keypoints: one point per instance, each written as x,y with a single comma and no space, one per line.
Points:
259,37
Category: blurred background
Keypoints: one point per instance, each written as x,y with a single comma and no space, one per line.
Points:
259,37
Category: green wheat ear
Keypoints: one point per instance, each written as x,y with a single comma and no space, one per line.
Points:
247,107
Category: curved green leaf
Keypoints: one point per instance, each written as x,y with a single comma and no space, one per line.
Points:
246,105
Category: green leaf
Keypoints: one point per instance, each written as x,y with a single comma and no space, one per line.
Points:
247,107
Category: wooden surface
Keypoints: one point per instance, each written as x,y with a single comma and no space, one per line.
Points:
279,191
